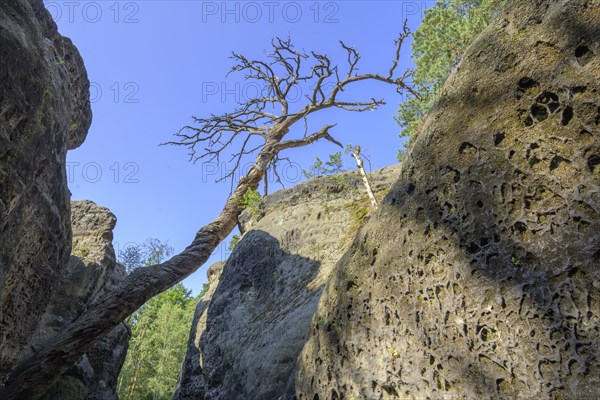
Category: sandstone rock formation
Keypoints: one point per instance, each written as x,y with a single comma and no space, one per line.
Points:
250,327
478,276
44,109
191,383
92,269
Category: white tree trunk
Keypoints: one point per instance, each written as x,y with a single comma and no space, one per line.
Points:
359,163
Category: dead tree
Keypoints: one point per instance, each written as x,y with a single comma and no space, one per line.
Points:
262,126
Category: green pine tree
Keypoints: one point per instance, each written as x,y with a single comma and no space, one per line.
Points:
446,31
159,333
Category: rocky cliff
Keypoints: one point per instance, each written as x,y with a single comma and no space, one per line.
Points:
92,269
44,110
477,277
250,327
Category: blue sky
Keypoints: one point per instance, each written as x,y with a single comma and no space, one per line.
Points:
154,64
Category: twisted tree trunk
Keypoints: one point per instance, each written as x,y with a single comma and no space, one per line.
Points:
35,374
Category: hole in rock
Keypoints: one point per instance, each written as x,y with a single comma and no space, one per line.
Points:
539,112
534,160
547,97
556,161
553,107
584,55
520,227
567,115
593,161
498,138
527,83
466,147
498,383
473,248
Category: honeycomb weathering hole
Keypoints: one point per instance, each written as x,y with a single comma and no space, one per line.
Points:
593,162
527,83
539,112
581,51
567,115
584,54
466,147
547,97
498,138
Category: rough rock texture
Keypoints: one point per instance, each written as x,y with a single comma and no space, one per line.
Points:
250,327
319,218
479,275
191,384
257,320
44,109
106,359
91,270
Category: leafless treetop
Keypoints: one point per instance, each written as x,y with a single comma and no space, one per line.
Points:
269,116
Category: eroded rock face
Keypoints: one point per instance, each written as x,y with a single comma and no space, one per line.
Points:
252,324
44,109
191,383
257,321
92,269
478,276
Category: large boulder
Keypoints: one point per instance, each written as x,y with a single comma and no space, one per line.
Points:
251,325
257,321
44,110
478,276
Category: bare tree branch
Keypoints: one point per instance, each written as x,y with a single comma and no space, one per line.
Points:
285,70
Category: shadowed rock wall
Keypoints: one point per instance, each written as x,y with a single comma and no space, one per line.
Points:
44,109
250,327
